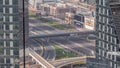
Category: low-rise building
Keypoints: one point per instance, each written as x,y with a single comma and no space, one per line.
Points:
90,23
45,9
69,18
79,20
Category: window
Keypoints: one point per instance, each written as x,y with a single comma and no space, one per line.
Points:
1,51
100,18
115,40
103,36
1,43
16,66
7,60
7,27
1,2
15,43
16,51
6,2
107,12
99,35
7,18
104,10
103,53
1,26
1,60
99,26
7,51
10,18
107,37
103,28
10,2
7,66
15,18
15,27
15,35
7,35
1,9
107,28
99,52
99,10
104,2
15,10
111,39
99,2
15,2
107,46
111,30
6,9
11,10
1,35
100,43
8,43
11,35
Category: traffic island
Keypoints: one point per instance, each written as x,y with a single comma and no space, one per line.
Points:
61,53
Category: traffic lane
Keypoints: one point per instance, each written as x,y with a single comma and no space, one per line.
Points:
79,47
40,59
85,42
32,43
43,27
65,62
49,52
35,45
45,50
78,39
83,50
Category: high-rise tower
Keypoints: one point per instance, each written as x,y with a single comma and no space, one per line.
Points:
11,32
107,27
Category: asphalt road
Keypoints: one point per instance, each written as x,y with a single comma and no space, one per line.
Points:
42,48
35,45
78,43
49,52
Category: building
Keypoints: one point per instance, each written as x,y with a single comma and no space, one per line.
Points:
34,4
115,8
90,23
107,30
11,32
45,9
59,10
69,18
97,63
79,20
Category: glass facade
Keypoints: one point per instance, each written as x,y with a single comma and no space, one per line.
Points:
11,32
105,33
9,50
